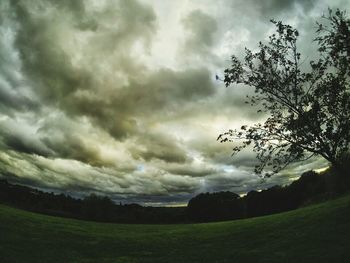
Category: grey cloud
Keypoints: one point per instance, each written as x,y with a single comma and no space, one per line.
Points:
25,145
218,153
81,179
16,136
224,182
39,40
231,102
242,182
189,169
78,139
12,100
15,95
296,169
135,21
49,68
202,29
178,184
60,83
159,146
168,88
274,6
159,93
270,8
71,146
243,160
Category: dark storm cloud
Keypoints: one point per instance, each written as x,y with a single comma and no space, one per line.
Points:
11,99
159,93
24,145
15,95
17,137
41,33
44,61
54,77
73,147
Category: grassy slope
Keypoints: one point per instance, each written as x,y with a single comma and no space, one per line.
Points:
319,233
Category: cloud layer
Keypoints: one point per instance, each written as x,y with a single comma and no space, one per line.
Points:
120,97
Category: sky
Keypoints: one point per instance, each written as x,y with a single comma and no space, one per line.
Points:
119,97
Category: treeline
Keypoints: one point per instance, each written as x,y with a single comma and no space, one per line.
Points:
204,207
310,187
92,207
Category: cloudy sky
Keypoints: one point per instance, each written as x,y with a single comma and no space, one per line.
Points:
120,98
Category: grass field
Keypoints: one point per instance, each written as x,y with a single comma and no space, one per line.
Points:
319,233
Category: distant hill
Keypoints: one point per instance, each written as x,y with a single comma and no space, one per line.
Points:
318,233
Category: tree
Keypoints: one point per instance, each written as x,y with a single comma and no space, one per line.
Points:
99,208
215,206
308,108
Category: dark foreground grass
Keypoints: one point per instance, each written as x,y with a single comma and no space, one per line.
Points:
319,233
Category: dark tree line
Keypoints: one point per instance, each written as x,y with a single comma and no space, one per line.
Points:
310,187
204,207
92,207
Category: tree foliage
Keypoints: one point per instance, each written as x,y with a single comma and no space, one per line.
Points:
308,107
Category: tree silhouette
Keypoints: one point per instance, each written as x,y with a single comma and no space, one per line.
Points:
308,107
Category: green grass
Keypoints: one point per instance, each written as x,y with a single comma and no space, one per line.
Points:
319,233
